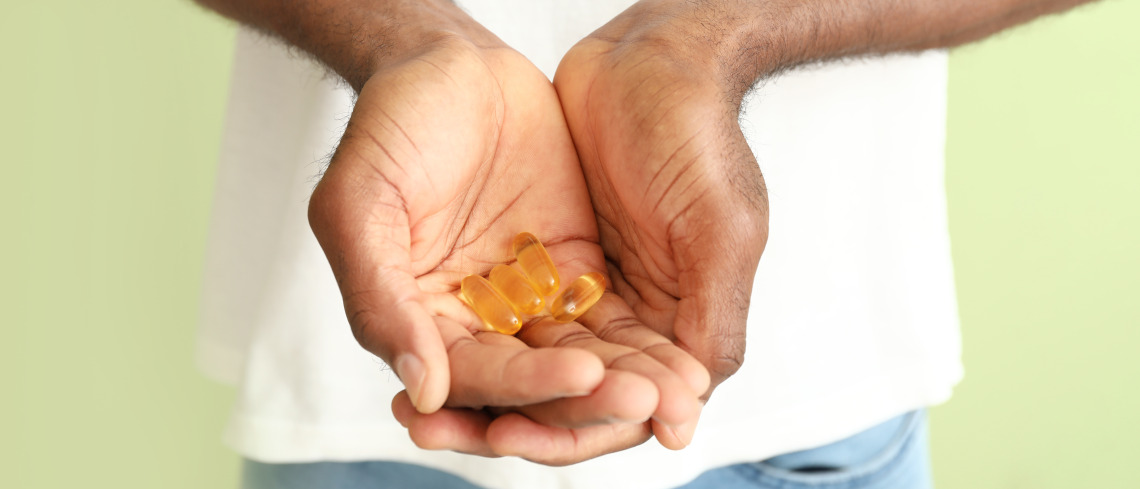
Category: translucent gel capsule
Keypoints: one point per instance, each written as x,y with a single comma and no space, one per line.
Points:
536,263
578,297
517,289
494,309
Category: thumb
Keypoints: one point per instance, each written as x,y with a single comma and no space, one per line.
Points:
717,245
388,318
362,226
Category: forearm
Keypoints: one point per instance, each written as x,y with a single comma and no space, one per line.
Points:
745,40
355,38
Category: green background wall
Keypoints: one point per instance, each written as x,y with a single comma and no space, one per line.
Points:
110,119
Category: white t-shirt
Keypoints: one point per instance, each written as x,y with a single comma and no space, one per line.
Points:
853,317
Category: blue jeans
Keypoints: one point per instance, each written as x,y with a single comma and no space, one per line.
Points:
892,455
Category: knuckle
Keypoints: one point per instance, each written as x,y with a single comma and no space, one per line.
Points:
362,320
727,359
319,208
743,217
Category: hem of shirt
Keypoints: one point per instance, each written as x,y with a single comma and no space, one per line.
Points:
865,404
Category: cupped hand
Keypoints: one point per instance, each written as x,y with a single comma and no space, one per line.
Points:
451,151
680,201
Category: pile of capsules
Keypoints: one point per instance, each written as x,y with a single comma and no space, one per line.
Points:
506,296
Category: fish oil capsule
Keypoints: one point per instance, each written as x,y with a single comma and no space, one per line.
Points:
517,289
536,262
578,297
490,305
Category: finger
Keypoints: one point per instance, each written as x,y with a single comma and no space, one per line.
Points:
623,397
515,434
677,403
506,372
675,437
448,305
612,320
461,430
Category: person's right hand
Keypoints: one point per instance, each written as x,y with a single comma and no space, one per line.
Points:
451,151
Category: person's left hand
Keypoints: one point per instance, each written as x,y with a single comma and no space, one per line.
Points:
653,107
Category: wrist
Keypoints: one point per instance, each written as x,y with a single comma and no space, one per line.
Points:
357,39
730,40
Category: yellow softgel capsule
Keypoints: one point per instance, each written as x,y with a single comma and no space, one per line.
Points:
578,297
536,262
517,289
490,305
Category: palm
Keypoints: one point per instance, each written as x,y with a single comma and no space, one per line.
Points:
447,156
486,164
679,200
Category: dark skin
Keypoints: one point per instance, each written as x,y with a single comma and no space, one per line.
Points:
632,163
454,146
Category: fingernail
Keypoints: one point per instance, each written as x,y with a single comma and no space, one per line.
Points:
411,372
685,431
401,415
